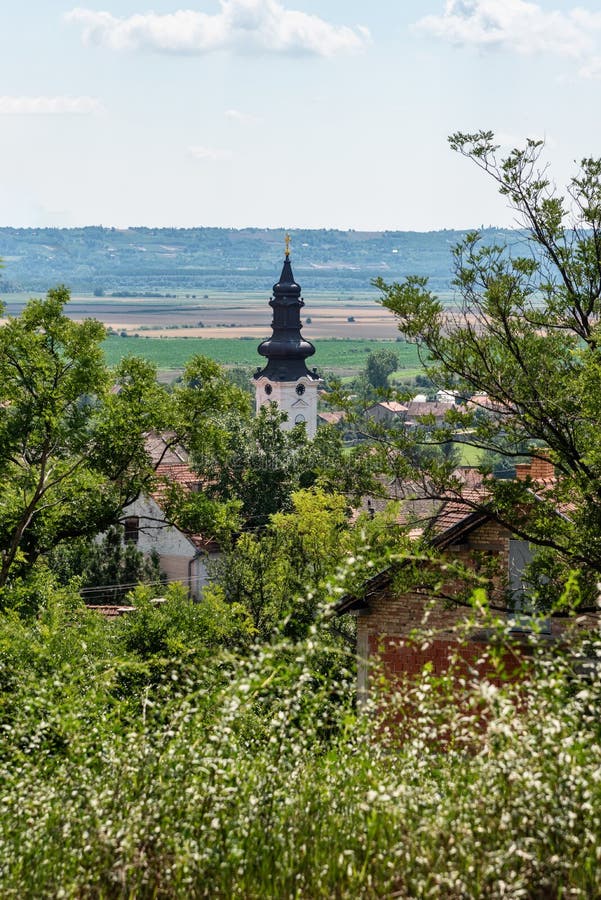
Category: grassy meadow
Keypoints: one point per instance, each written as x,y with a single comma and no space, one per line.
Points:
174,353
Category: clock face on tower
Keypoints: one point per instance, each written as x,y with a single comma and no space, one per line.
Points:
300,389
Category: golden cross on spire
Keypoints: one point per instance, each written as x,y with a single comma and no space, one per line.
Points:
287,242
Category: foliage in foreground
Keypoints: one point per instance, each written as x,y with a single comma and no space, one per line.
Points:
72,452
106,568
135,760
524,344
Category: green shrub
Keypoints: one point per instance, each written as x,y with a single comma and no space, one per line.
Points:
251,775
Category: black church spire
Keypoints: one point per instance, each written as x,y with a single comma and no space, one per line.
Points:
286,350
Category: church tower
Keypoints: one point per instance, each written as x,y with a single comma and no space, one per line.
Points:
285,379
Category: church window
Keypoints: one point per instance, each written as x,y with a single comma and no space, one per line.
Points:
300,418
300,389
268,389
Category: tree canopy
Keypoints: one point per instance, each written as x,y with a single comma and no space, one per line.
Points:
522,340
72,448
252,464
380,365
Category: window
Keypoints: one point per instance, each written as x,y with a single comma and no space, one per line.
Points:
300,389
300,418
520,555
524,617
268,389
131,529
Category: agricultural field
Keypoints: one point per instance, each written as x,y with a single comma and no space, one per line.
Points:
340,356
228,326
329,315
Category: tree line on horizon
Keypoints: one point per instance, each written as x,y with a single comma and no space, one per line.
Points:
144,259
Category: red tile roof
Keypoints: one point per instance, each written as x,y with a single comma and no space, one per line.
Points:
332,418
111,612
182,475
426,513
483,401
416,408
392,406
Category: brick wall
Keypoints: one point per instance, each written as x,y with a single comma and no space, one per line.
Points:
384,629
398,614
399,659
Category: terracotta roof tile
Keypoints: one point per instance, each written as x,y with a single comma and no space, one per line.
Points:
110,612
426,513
429,408
182,475
392,406
332,418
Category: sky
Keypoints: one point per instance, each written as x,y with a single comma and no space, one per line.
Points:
285,113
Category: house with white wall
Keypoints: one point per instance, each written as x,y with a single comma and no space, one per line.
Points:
183,556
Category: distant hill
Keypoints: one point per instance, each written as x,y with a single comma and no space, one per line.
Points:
166,259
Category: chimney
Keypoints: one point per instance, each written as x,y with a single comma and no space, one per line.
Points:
542,469
522,471
538,469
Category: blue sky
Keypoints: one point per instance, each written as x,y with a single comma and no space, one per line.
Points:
291,113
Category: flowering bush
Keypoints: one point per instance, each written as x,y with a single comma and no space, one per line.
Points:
208,773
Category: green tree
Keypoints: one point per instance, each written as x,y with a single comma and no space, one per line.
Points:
241,376
259,465
527,336
205,400
72,451
107,569
282,573
380,365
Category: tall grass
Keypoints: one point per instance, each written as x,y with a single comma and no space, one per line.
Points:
194,771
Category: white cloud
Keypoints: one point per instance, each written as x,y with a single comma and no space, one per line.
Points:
244,118
246,26
591,69
210,154
43,106
516,25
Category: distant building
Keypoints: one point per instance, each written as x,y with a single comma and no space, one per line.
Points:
449,397
416,409
386,412
335,417
183,556
286,380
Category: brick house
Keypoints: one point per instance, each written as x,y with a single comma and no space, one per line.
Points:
387,614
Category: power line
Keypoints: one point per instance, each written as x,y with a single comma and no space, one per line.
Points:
134,584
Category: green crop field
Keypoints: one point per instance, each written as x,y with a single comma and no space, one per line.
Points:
174,353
